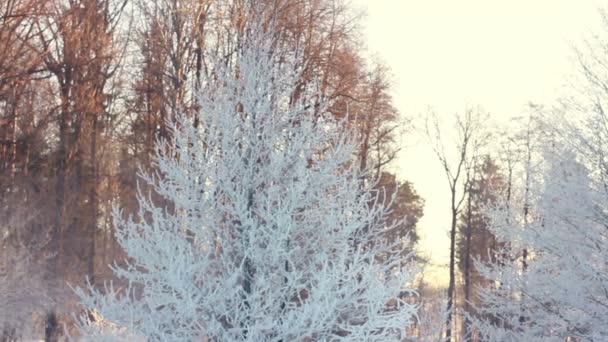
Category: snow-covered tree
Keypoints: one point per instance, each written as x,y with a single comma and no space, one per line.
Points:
560,290
271,232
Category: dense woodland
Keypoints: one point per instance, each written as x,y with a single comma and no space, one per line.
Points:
109,107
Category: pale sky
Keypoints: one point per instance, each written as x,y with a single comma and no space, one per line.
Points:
448,54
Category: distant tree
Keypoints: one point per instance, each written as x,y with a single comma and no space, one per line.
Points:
407,207
470,135
271,236
18,64
431,317
376,120
475,240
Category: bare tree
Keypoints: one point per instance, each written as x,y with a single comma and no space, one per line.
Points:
457,165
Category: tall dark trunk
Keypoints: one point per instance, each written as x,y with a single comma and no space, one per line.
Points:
248,270
452,283
51,328
526,212
56,239
467,268
92,202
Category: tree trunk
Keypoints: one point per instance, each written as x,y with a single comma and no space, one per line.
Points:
467,268
56,242
451,287
92,198
51,328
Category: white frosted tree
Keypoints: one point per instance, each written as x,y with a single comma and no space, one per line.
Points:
561,291
272,232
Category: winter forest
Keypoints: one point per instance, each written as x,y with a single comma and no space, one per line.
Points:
233,170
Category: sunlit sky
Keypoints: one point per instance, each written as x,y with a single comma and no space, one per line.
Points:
450,54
